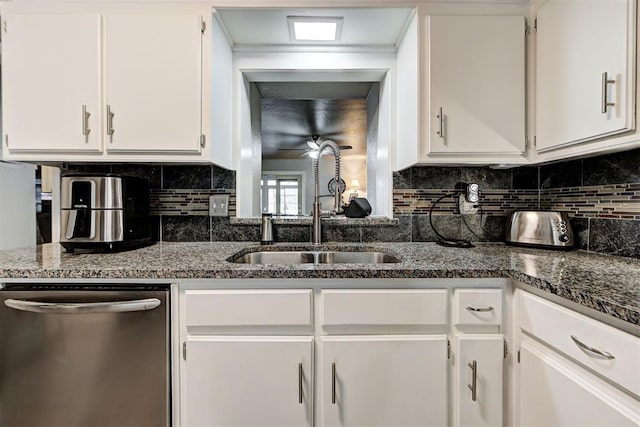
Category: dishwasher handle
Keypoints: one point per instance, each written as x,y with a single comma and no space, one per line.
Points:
83,308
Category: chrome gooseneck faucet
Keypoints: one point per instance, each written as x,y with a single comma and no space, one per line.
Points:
317,217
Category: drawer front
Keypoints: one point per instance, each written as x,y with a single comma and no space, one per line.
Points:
384,307
555,325
477,307
249,308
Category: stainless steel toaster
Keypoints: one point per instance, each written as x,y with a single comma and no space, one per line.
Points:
545,229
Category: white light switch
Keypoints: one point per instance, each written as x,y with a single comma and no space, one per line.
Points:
219,205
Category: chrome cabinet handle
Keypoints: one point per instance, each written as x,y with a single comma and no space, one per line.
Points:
474,378
83,308
110,129
478,309
333,383
300,375
440,116
605,92
595,351
85,123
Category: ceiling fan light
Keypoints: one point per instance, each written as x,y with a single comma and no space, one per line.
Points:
314,154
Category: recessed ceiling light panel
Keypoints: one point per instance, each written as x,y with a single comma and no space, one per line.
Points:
323,29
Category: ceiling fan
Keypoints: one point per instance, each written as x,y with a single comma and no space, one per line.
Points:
314,145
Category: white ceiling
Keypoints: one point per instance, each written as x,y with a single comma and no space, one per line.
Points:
361,26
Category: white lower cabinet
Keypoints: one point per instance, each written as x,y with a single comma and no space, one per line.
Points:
573,370
370,355
383,380
478,376
249,381
557,392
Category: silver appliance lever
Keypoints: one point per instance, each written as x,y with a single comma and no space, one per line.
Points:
71,224
83,308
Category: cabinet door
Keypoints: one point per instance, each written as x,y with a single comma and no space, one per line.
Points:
50,70
479,365
577,42
477,84
556,392
383,381
153,79
249,381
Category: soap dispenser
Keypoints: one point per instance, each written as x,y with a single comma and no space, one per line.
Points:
266,229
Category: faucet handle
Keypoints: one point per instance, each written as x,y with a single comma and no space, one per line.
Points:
327,213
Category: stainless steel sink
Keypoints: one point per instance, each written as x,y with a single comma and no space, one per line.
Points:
339,257
315,257
292,257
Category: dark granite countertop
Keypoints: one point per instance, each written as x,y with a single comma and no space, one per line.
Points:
606,284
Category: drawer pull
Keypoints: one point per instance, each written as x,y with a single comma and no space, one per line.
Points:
606,81
440,117
474,380
85,123
480,309
333,383
595,351
110,129
300,375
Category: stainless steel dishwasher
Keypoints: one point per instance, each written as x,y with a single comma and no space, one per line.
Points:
76,355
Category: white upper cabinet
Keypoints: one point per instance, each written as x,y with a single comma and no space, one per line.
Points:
153,79
476,86
51,83
585,71
125,82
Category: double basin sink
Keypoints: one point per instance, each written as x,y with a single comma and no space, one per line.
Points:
315,257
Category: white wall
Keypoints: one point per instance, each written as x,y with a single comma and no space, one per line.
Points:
221,94
17,205
310,66
408,100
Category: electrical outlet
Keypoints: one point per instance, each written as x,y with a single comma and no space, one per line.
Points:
466,208
219,205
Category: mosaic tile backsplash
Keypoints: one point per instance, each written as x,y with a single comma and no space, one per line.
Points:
601,194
